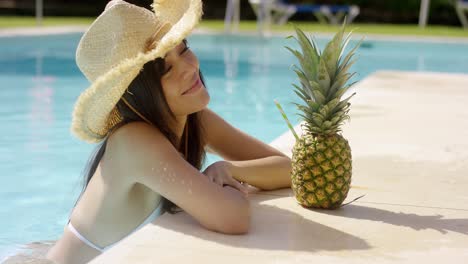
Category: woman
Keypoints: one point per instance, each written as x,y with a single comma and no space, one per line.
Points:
147,107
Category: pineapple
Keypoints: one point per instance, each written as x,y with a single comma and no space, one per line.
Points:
321,157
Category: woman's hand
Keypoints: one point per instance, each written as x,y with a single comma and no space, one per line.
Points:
220,173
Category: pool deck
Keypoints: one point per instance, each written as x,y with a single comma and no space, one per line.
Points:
409,139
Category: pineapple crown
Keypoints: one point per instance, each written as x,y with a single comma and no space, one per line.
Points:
323,77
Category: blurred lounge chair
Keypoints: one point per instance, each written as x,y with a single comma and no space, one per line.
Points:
279,11
232,16
461,7
272,11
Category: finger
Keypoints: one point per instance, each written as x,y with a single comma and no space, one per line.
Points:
210,178
240,187
246,186
218,181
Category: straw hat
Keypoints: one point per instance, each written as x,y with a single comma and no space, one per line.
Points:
114,49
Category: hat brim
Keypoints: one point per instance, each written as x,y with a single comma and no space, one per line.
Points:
92,108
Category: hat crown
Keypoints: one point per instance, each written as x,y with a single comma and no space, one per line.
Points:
121,34
170,10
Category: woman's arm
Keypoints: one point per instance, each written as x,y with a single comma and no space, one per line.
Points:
268,173
150,159
247,158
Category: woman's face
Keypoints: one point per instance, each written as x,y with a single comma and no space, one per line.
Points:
181,83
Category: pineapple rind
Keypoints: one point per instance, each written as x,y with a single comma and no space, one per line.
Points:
321,170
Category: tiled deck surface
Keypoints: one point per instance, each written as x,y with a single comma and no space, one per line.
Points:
409,137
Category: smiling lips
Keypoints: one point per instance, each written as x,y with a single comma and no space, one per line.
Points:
194,86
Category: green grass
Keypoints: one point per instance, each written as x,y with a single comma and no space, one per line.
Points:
16,21
249,26
384,29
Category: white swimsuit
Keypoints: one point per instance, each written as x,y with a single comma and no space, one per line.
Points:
157,212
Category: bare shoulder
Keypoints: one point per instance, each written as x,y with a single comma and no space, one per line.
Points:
134,133
128,146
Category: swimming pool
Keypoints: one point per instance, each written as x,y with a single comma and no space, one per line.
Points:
41,162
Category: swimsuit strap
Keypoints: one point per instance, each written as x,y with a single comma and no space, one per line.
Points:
82,238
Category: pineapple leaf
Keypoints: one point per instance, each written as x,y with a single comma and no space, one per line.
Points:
324,111
301,96
301,91
345,62
340,113
335,120
323,81
309,54
296,53
346,42
332,52
342,91
326,125
318,118
345,101
338,92
307,120
323,77
318,96
316,86
346,68
313,105
303,80
301,58
351,53
331,106
303,117
314,129
339,82
304,109
316,47
300,74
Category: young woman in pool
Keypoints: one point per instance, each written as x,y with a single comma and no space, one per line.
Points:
147,107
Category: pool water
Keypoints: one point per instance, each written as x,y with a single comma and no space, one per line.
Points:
41,163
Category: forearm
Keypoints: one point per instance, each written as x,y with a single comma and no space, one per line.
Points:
268,173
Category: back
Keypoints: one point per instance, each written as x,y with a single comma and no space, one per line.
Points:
110,209
139,166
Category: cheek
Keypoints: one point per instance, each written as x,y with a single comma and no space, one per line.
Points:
192,59
169,89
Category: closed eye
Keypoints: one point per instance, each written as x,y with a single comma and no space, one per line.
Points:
181,53
184,50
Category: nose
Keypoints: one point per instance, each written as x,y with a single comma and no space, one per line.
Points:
190,67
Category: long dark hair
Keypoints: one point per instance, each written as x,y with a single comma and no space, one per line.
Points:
145,94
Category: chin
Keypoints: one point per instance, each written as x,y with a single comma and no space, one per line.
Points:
197,103
204,99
